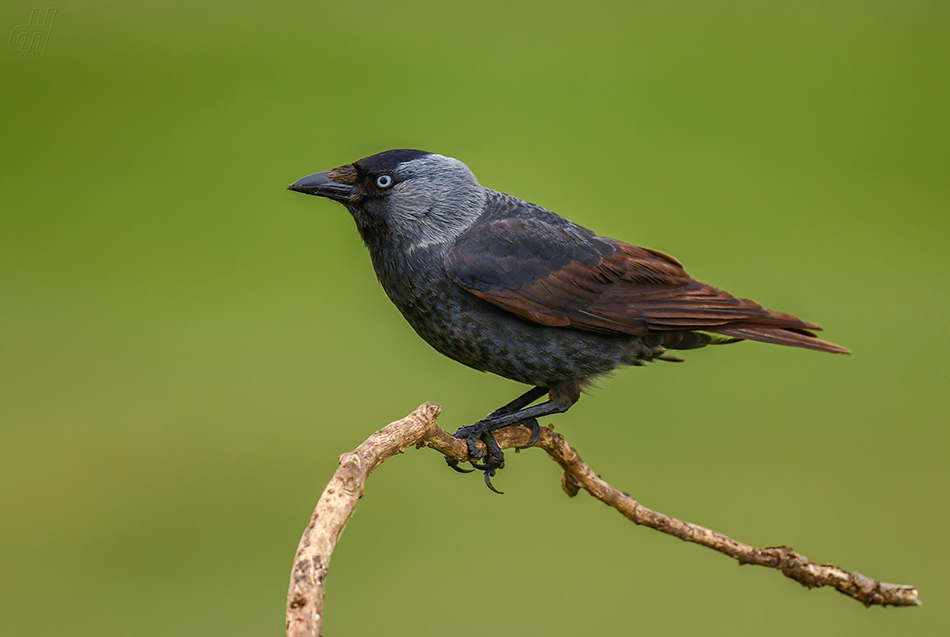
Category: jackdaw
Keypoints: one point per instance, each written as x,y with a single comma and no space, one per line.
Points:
505,286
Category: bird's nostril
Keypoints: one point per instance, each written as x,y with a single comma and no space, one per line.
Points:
343,174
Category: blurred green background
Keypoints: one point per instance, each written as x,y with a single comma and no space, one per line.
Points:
186,348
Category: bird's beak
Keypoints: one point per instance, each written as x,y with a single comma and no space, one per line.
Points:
322,185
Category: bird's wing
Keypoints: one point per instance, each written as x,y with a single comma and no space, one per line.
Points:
565,276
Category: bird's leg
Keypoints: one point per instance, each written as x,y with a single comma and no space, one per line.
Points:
562,397
521,401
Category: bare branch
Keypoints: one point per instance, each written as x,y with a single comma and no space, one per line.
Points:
305,599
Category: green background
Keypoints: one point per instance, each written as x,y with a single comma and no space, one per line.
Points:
186,348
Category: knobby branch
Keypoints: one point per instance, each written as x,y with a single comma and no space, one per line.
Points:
419,429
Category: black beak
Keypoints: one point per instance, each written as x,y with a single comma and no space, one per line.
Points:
322,186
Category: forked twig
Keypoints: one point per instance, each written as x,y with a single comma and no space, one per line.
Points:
419,429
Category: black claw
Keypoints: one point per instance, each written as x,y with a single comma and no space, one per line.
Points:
532,424
453,463
485,466
495,459
488,476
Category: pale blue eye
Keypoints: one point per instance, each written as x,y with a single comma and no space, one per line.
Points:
384,181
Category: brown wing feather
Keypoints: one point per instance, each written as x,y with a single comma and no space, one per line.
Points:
634,291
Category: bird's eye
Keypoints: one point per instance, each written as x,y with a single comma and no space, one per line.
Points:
384,181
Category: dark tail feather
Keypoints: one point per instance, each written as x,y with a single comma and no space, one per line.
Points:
779,336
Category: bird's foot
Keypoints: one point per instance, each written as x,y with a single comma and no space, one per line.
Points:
494,459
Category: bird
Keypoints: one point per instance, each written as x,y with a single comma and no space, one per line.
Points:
506,286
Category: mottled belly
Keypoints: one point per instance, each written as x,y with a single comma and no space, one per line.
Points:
487,338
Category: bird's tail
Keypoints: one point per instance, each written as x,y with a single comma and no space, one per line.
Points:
780,336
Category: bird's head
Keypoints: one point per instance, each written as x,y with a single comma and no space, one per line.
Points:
407,197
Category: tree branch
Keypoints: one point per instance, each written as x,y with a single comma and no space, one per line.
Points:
305,598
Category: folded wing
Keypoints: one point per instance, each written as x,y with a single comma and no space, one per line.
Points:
565,276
